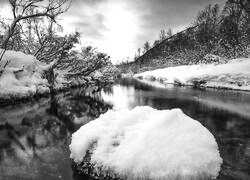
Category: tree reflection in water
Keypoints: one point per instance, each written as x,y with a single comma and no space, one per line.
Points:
225,113
34,137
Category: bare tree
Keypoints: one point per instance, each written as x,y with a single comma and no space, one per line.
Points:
84,63
207,32
28,9
162,35
146,46
156,42
170,32
139,52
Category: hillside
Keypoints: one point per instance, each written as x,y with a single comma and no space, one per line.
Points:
221,31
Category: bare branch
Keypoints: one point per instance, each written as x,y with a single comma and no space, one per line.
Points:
6,64
29,9
18,70
26,6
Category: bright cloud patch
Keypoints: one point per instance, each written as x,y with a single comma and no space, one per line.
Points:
148,143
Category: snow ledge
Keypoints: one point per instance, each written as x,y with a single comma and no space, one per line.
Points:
235,75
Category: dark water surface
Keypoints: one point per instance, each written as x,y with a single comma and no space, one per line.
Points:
34,137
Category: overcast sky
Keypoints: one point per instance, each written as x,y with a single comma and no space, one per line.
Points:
119,27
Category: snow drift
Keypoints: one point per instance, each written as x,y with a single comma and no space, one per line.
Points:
144,143
233,75
22,77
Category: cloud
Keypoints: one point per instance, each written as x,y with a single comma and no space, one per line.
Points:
4,1
121,26
149,17
164,14
92,26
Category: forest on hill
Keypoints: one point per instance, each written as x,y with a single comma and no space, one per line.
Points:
217,34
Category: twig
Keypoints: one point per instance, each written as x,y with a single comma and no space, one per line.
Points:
6,64
18,70
2,53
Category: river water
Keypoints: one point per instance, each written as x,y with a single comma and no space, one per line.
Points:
34,136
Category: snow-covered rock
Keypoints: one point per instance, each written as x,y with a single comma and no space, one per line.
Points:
22,77
233,75
144,143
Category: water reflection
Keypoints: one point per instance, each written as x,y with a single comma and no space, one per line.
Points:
34,137
225,113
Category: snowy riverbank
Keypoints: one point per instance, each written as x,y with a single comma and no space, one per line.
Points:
23,77
233,75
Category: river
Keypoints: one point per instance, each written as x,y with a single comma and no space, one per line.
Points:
34,136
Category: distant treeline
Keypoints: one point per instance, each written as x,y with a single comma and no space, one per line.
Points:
223,32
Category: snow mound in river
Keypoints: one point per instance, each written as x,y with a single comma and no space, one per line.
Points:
144,143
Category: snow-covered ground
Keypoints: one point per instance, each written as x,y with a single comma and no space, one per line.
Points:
233,75
144,143
22,76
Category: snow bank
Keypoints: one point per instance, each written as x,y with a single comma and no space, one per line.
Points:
22,76
145,143
233,75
